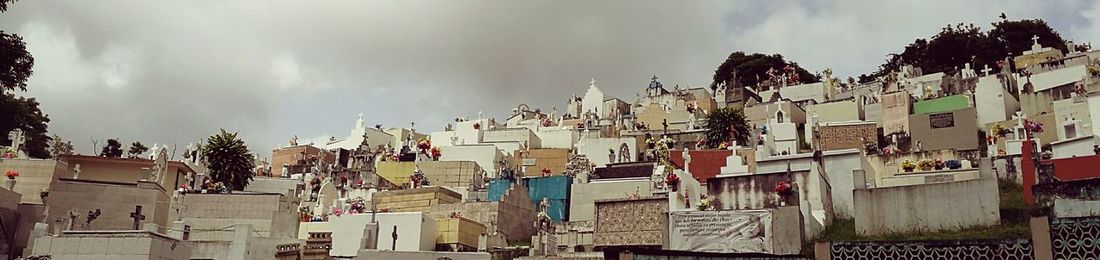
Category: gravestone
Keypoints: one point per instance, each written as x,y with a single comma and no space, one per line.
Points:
327,196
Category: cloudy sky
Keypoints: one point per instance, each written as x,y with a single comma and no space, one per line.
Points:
174,72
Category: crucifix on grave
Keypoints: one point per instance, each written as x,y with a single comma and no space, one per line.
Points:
137,216
17,140
986,70
76,172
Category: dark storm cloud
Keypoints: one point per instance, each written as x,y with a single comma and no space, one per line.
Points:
178,71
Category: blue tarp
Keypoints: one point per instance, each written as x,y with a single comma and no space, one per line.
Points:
497,188
559,210
550,187
556,191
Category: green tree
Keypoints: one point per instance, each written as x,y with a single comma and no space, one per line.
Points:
228,160
15,61
752,68
136,149
956,45
20,112
113,149
23,113
725,125
59,147
1017,35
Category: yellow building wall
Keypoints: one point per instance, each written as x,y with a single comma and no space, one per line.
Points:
396,172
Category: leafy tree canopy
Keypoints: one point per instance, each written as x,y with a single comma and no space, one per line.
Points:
136,149
59,147
753,68
23,113
113,149
954,46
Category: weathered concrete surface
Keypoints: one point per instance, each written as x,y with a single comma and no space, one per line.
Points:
928,207
34,175
583,195
270,214
1074,208
376,254
112,245
512,216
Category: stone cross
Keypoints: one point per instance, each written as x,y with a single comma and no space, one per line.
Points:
986,70
17,139
137,216
76,171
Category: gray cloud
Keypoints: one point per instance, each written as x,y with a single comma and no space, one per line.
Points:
175,72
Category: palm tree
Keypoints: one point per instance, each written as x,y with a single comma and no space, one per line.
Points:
228,160
725,125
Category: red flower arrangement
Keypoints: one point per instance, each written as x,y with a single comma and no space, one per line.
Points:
337,212
784,188
673,182
546,122
12,174
424,144
477,126
436,153
545,171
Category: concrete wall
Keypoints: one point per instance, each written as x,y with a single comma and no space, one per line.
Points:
272,185
305,227
381,254
34,175
291,155
1081,146
838,167
115,200
840,111
583,195
1072,112
557,138
962,136
415,232
554,159
456,174
271,215
487,156
596,149
523,136
112,245
873,113
928,207
512,216
1075,208
895,112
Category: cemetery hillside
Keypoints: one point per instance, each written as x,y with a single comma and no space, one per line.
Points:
473,130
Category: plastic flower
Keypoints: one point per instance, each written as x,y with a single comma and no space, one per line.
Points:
337,212
908,164
12,174
436,153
